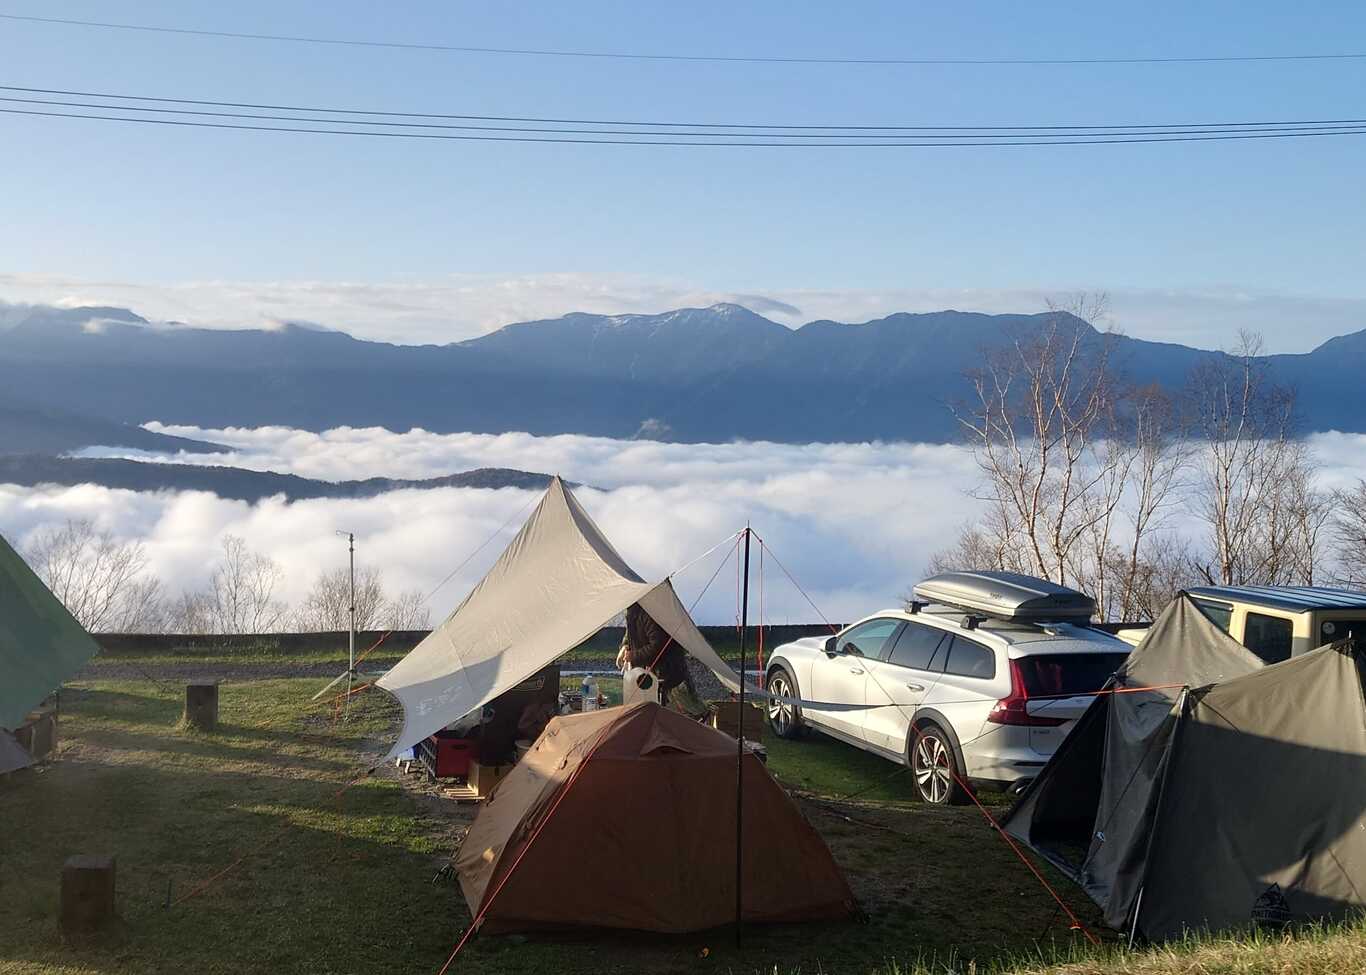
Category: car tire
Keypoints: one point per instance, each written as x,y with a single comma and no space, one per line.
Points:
784,719
934,766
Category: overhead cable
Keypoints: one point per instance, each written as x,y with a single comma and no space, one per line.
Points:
703,58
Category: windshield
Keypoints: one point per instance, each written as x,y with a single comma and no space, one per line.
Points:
1047,674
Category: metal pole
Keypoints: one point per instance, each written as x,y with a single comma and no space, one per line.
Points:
740,753
351,648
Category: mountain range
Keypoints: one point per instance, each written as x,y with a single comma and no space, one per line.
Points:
693,375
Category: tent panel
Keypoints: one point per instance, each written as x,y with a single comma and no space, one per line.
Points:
41,644
13,756
1267,786
655,826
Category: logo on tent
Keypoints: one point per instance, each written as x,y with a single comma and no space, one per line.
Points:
1271,910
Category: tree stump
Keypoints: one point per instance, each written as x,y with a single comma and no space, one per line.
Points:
201,706
87,893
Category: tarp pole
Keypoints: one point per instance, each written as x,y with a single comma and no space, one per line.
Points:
740,748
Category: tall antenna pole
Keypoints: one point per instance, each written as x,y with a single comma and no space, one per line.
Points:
351,635
740,755
351,645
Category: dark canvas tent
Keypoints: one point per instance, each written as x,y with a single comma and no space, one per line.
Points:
1208,788
625,818
41,644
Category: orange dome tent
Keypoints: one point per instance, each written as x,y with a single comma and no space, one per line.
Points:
625,818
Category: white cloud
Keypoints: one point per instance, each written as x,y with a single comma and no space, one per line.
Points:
855,523
458,306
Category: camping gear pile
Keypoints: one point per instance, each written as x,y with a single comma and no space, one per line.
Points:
1207,790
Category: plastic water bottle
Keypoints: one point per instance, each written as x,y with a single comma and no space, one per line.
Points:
590,693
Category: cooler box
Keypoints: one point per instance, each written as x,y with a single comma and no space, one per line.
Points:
446,756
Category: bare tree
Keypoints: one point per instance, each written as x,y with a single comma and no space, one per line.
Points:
1043,407
241,593
100,579
1160,454
190,612
1348,535
327,605
408,611
1255,491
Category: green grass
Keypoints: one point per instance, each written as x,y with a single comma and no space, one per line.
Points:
341,885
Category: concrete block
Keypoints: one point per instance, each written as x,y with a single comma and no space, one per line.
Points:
201,706
87,893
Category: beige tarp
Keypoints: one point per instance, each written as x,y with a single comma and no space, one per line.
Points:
558,583
625,818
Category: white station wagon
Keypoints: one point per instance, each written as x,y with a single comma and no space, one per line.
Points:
978,684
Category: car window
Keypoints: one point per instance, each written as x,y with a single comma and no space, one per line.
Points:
1220,614
1333,630
1269,637
968,658
921,647
866,639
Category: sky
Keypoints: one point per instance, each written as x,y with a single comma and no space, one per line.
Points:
415,241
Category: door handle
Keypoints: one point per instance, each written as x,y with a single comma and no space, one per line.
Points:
915,687
855,670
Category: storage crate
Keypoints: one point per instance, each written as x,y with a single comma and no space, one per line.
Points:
725,716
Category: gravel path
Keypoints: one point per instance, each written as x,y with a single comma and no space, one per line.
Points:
188,672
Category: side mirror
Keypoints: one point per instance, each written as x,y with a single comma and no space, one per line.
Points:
830,648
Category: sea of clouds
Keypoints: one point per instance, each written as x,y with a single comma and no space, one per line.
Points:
854,523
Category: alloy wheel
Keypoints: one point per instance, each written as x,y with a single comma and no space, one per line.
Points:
780,713
933,768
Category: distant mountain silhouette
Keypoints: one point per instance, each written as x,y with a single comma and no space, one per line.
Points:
234,483
700,374
28,429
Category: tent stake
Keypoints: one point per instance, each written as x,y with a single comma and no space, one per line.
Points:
740,750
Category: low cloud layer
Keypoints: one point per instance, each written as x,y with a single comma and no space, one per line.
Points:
455,307
854,523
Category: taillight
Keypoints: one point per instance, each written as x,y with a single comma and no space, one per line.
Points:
1015,708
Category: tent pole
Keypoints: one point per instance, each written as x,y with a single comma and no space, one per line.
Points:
740,749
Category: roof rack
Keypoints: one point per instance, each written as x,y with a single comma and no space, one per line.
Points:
1004,596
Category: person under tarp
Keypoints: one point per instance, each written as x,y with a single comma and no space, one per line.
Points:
646,646
625,818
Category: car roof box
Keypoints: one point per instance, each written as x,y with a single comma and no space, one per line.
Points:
1007,596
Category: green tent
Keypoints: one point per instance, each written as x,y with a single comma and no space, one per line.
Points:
1211,791
41,644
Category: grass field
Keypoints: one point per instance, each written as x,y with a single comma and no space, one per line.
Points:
321,883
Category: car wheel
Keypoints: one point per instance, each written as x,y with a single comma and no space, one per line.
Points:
934,768
784,718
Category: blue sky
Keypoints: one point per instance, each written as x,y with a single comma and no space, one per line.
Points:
92,208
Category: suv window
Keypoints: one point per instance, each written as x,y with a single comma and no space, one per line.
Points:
866,639
1220,614
1059,674
1269,637
921,647
968,658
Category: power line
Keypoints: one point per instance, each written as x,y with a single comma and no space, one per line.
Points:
705,58
888,134
737,141
832,127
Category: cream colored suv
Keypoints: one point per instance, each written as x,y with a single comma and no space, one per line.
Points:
1280,622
